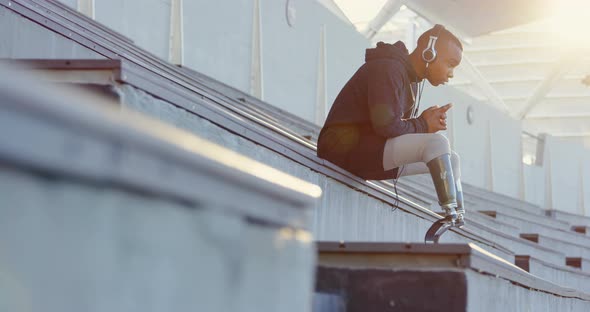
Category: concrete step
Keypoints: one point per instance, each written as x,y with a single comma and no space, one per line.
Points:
501,199
477,194
480,219
443,277
571,218
561,275
512,241
527,226
486,220
505,235
585,230
517,213
568,248
578,263
518,245
428,192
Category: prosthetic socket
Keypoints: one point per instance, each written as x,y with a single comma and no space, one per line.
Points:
449,191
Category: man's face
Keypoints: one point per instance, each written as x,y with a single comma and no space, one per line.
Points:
448,57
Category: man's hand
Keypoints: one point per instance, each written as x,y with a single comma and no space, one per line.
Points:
436,117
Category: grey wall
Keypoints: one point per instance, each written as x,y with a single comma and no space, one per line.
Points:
291,55
71,3
218,42
566,170
20,38
146,22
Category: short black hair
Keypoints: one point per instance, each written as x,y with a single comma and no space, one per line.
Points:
443,35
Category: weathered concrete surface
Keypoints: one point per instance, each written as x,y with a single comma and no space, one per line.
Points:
488,293
528,226
565,276
66,246
102,211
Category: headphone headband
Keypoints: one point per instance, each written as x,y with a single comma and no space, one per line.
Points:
429,53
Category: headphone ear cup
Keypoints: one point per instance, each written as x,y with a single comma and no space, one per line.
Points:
428,55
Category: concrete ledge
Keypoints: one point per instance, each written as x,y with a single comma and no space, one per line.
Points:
523,215
528,226
561,275
582,229
578,263
123,213
570,249
477,194
574,219
445,265
103,146
485,202
404,290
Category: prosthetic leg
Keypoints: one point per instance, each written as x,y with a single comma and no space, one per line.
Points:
442,176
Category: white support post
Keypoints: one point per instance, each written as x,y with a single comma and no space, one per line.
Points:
489,174
581,207
176,41
547,165
86,7
521,180
321,91
256,82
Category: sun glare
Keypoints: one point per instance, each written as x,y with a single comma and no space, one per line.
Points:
569,22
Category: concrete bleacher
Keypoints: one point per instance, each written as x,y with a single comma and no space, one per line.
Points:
350,209
574,219
555,238
110,211
390,276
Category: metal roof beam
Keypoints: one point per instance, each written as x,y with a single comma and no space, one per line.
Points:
480,82
389,9
571,135
559,116
558,125
545,86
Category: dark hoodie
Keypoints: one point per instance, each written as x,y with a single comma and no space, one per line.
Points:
374,105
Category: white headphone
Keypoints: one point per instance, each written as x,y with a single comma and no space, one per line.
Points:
429,53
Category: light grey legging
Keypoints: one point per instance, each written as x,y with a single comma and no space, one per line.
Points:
411,152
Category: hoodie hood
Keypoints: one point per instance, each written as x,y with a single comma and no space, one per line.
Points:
396,51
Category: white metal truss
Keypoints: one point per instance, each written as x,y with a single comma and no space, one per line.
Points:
390,8
480,81
543,88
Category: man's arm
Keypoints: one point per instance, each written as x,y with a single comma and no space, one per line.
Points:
384,93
